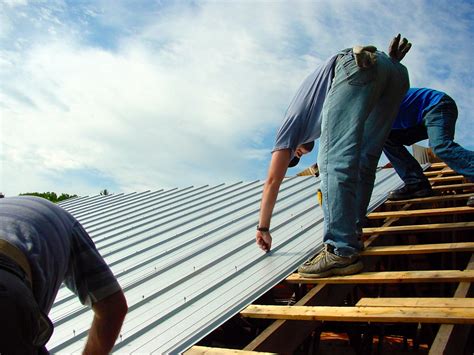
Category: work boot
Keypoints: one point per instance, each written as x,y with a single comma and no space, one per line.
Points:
421,189
470,201
326,263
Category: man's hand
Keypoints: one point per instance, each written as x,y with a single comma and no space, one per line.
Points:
264,241
397,50
365,56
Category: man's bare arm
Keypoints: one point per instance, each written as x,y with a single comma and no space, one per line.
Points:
276,173
109,314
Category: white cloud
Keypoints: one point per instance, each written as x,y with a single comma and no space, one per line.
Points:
182,95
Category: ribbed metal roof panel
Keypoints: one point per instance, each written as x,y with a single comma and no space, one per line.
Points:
187,259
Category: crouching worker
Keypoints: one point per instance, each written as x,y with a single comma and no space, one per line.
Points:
350,102
425,114
42,245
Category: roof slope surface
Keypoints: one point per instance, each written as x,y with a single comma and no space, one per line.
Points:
187,259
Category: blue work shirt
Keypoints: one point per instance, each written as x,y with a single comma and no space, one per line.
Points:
417,102
57,248
302,122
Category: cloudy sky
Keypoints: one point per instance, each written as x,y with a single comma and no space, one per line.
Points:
136,95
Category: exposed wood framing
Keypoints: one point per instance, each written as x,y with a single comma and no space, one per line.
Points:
388,277
446,178
434,302
317,305
452,339
418,249
432,199
203,350
445,171
420,228
454,187
423,212
364,314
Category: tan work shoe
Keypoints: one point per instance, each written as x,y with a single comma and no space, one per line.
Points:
326,263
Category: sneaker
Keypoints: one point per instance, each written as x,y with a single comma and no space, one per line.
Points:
326,263
470,201
411,191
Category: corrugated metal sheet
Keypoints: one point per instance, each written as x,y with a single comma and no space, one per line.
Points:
187,258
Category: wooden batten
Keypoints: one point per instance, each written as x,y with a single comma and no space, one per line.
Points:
418,249
420,228
364,314
389,277
422,212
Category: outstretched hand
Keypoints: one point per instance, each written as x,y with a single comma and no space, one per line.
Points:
365,56
397,50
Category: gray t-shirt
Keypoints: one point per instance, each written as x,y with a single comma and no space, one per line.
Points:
302,123
57,248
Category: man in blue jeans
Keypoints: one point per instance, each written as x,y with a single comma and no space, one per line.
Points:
425,114
350,102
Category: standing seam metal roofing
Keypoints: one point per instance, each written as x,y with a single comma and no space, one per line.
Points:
187,259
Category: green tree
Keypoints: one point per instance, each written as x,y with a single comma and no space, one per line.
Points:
51,196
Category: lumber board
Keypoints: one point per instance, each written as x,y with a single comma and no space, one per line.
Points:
432,302
431,199
389,277
419,228
468,185
446,178
422,212
439,172
363,314
451,339
204,350
418,249
438,166
284,336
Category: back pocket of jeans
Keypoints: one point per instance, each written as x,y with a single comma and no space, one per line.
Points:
357,76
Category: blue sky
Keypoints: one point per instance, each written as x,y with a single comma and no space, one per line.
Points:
138,95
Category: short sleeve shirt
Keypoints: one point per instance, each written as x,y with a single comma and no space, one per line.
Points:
416,103
302,122
57,248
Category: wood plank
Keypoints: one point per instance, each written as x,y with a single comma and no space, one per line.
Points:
451,339
438,166
285,336
389,277
454,187
422,212
431,199
364,314
418,249
433,302
445,171
419,228
446,178
204,350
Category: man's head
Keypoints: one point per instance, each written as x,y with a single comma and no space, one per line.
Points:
302,149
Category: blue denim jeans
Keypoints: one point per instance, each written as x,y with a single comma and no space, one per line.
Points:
356,120
438,126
